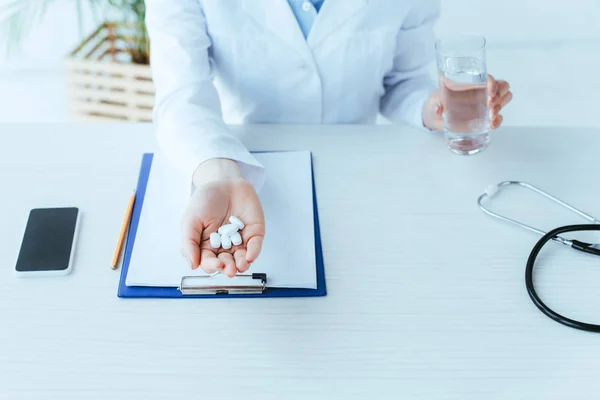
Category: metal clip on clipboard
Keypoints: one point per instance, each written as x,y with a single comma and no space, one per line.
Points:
259,287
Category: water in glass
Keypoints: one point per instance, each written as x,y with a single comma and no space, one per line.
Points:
463,83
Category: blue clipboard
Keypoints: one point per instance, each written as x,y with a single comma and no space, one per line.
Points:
125,291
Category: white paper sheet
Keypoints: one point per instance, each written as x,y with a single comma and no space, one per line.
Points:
288,254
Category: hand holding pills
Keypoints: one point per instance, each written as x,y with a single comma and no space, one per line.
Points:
223,227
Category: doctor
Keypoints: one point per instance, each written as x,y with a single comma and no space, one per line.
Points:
279,61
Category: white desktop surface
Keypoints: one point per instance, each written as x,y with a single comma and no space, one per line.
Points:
426,296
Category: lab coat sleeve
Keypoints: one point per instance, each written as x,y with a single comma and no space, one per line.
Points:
187,111
408,84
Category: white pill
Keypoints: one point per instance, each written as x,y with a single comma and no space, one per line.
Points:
236,239
237,222
215,240
228,230
226,242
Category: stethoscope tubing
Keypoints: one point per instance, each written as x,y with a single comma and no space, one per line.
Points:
546,237
529,278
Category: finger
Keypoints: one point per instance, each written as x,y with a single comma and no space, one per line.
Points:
210,262
496,122
495,111
435,122
191,232
503,88
438,123
240,260
253,248
504,100
497,107
492,86
229,269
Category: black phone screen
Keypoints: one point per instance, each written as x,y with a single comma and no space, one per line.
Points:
48,240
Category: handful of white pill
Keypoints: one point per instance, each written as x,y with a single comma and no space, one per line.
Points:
228,234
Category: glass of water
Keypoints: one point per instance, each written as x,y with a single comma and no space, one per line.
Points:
464,95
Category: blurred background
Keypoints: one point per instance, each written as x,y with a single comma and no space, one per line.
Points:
548,50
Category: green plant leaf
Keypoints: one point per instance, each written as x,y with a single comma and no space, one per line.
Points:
94,10
79,17
17,18
9,8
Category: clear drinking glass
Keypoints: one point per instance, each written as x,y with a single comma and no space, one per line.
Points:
463,86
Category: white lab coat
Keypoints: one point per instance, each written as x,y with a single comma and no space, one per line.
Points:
216,62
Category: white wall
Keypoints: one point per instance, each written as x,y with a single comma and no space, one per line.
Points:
509,21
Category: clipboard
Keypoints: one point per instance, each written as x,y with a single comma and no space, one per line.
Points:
256,282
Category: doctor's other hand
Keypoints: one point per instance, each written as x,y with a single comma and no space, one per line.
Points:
499,95
220,192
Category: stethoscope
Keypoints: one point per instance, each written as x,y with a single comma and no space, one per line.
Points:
546,237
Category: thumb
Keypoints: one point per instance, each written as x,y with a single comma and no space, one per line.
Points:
439,121
438,109
435,121
191,232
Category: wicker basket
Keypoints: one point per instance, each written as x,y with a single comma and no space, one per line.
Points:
104,84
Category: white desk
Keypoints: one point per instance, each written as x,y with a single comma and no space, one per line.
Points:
439,312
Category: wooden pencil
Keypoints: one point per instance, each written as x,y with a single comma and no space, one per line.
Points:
124,226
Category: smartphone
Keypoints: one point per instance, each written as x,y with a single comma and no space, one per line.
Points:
48,242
